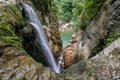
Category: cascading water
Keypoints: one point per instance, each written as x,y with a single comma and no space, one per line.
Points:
41,38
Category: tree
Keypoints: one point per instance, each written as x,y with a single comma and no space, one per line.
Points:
77,10
64,10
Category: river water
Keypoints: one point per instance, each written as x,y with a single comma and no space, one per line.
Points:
66,37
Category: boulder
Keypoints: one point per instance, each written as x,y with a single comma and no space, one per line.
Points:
104,66
16,65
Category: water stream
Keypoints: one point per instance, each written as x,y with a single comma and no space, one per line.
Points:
41,38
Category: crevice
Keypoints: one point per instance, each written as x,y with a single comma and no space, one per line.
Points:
112,1
97,49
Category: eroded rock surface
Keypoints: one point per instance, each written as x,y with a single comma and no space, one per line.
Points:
104,24
69,53
16,64
104,66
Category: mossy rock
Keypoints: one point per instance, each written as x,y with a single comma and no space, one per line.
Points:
90,11
10,21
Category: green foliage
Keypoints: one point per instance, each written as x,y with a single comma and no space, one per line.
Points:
80,12
111,38
9,36
84,11
64,9
104,43
43,8
46,8
24,78
77,10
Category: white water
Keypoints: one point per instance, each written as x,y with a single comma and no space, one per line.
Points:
41,38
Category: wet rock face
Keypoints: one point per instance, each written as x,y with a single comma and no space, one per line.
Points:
54,40
27,32
106,23
15,63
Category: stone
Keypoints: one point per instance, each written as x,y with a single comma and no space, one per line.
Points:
15,65
104,66
27,32
69,53
102,26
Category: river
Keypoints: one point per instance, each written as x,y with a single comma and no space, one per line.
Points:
66,37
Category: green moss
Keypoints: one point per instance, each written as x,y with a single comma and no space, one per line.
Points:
92,7
11,19
9,36
104,43
90,10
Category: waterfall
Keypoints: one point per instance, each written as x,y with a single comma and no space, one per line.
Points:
41,38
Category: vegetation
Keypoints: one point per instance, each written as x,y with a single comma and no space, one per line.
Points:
104,43
45,8
90,10
64,10
80,12
77,11
111,38
92,7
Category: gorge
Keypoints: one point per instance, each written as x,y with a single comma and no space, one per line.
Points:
29,51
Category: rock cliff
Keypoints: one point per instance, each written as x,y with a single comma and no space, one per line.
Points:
104,24
16,64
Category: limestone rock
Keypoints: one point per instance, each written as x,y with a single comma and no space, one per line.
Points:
8,1
17,65
69,53
104,24
65,27
104,66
